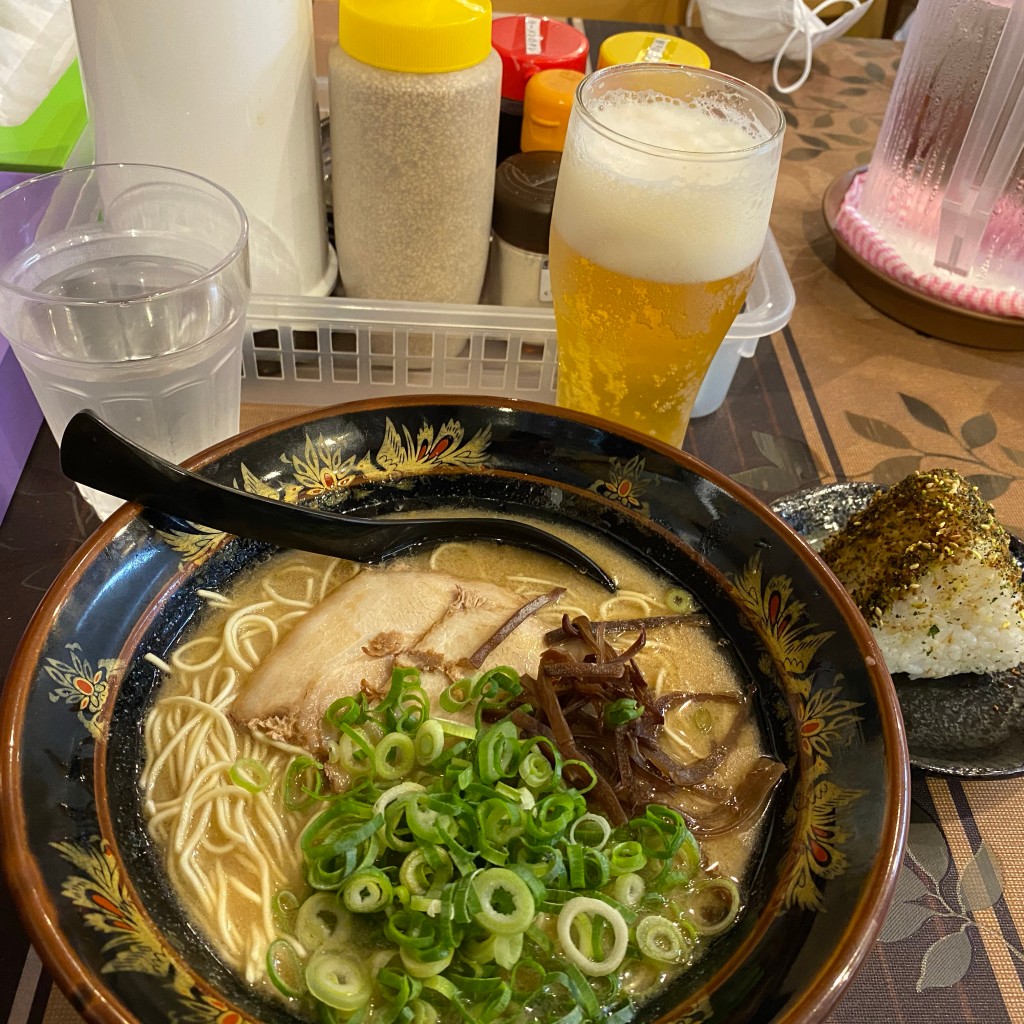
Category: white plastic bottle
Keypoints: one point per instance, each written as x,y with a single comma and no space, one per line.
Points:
415,93
226,90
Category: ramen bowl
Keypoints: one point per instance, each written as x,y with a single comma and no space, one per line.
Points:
89,883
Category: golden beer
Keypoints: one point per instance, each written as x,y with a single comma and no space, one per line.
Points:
660,215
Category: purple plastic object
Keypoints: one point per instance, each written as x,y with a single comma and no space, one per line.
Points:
20,417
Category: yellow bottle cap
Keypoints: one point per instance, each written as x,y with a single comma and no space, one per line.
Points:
422,36
650,48
546,106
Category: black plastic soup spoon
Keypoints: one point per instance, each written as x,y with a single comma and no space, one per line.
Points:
94,454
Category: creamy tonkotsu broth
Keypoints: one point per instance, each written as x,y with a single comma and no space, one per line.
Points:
212,788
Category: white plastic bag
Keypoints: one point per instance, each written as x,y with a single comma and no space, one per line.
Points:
37,44
765,29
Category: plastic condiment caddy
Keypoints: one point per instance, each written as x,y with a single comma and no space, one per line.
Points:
317,352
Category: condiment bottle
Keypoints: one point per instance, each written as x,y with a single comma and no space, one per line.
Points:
650,48
414,93
524,192
528,44
546,108
226,90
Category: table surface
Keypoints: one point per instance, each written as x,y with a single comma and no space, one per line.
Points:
842,393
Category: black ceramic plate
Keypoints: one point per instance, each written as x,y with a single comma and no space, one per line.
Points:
968,724
92,889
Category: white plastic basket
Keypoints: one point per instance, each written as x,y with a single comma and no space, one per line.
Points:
321,351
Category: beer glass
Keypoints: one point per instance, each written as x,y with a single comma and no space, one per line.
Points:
660,215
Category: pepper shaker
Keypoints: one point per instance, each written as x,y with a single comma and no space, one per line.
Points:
524,193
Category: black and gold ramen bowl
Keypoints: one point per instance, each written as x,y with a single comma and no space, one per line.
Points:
89,883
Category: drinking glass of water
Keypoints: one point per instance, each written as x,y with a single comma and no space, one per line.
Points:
123,290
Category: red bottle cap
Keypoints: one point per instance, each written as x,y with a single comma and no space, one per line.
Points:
528,44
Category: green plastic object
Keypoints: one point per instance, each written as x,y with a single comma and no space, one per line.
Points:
44,140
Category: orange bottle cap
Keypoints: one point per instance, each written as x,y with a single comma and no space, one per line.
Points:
546,106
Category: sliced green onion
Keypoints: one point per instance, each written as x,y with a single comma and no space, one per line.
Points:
713,906
497,684
422,1012
329,841
577,866
420,873
321,921
660,939
574,1016
620,935
578,766
500,820
248,773
347,711
462,841
366,891
496,752
444,988
689,854
458,729
596,872
456,696
431,906
339,980
619,712
354,751
425,968
284,966
526,978
495,1005
479,951
407,928
536,770
429,741
508,949
552,816
396,793
703,720
629,889
303,783
590,830
581,988
394,757
680,601
506,903
398,986
397,833
402,679
424,821
627,857
285,904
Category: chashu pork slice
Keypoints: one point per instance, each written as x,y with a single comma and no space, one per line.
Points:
355,637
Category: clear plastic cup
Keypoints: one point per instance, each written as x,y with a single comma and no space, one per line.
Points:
123,289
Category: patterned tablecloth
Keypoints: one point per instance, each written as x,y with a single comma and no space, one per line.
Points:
843,393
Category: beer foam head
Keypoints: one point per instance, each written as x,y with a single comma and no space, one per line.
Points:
666,189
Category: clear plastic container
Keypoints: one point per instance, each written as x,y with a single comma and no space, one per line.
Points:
225,90
318,352
945,187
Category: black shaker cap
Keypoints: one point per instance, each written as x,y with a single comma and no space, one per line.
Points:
524,190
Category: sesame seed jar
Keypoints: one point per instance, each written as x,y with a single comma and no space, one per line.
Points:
415,93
